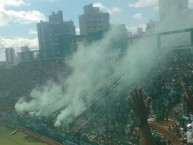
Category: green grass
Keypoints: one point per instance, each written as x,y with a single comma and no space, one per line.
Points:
17,139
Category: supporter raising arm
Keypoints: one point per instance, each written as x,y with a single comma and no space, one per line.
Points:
141,111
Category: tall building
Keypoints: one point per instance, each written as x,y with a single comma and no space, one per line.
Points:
10,55
139,30
56,17
24,54
50,33
25,48
151,26
169,9
93,20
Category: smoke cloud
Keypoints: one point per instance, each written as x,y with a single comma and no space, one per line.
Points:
94,65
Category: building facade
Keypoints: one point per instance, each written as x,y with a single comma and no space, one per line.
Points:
50,33
23,54
10,55
93,20
169,9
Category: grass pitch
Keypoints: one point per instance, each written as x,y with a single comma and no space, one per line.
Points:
17,139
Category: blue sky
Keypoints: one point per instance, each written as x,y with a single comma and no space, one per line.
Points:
18,18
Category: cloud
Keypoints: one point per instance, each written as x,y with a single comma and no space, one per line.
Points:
17,42
8,3
137,16
156,9
133,29
21,17
32,32
112,11
77,30
115,10
8,16
144,3
190,3
48,0
152,3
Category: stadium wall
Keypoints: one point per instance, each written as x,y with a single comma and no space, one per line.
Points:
38,136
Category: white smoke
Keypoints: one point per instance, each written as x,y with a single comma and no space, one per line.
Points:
92,66
92,70
42,99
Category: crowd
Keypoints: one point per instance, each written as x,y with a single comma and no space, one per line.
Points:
113,121
167,92
20,80
163,85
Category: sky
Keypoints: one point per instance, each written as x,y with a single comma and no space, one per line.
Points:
18,18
